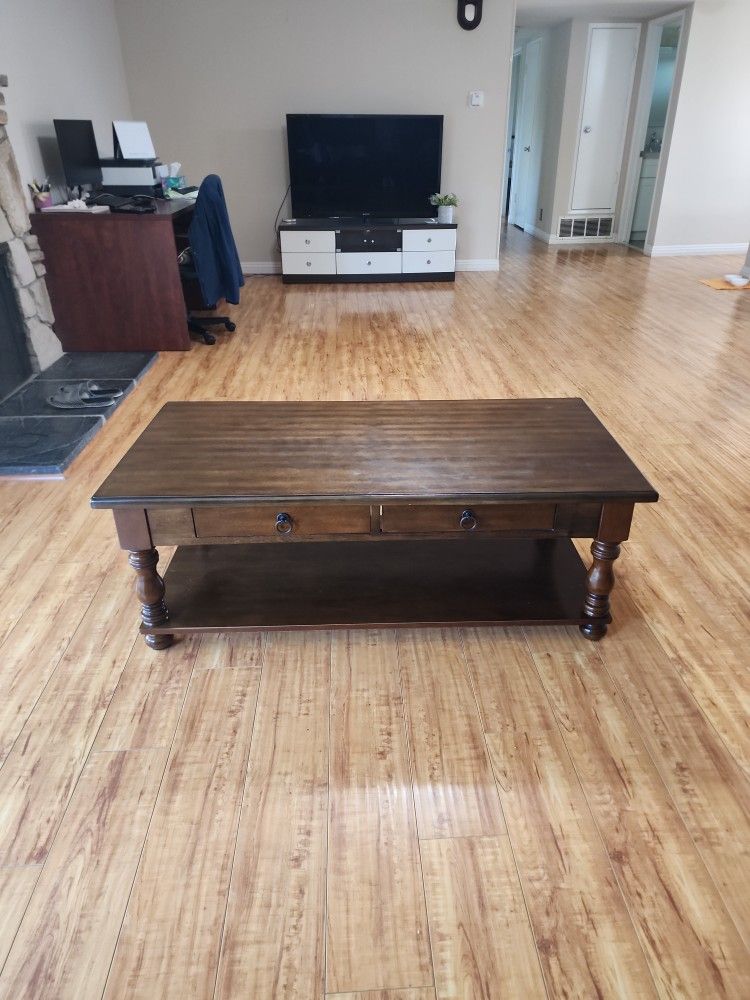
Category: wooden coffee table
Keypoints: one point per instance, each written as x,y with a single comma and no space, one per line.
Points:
339,515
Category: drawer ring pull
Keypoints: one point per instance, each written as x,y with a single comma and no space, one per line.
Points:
307,243
284,524
429,261
468,520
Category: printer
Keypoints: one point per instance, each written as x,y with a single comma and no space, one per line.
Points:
131,170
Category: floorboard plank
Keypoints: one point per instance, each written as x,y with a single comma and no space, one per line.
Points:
709,788
275,921
482,943
377,924
64,946
171,935
454,789
40,771
409,994
146,705
690,940
32,651
16,887
587,943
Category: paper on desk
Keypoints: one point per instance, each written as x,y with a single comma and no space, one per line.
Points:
135,141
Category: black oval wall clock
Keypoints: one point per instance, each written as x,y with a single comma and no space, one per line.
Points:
469,14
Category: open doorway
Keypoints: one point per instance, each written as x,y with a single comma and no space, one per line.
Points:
656,100
510,135
523,121
653,139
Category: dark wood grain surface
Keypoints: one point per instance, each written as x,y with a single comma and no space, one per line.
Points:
353,584
113,279
453,450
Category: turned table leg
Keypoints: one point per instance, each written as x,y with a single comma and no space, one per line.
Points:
599,583
149,587
614,527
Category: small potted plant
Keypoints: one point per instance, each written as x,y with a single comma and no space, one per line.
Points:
445,205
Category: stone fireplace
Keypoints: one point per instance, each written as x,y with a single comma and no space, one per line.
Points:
22,262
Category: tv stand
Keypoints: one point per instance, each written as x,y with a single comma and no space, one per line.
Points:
343,250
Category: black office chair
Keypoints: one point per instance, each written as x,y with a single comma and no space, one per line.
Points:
191,289
209,264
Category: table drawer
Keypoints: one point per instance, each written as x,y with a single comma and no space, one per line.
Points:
308,263
368,263
310,241
429,239
426,261
466,518
282,521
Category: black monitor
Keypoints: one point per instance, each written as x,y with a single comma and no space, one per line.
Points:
351,165
78,152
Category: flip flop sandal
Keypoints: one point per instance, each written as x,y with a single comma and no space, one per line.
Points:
72,397
99,390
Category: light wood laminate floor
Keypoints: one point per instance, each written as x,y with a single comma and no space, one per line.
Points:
428,815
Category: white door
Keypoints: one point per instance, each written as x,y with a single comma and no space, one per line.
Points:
521,212
609,84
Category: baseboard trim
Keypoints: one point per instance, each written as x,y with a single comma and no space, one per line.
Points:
260,267
694,249
540,234
478,264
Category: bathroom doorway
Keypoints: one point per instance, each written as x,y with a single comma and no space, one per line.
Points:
653,121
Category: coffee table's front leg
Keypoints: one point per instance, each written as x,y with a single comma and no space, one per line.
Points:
614,527
149,587
135,536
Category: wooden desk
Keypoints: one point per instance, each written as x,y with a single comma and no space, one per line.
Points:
320,515
113,278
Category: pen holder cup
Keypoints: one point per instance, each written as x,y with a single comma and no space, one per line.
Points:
43,200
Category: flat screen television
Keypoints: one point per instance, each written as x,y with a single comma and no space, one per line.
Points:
383,166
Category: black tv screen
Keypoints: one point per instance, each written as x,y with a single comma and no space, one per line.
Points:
384,166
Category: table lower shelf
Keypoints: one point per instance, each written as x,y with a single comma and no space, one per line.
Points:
307,585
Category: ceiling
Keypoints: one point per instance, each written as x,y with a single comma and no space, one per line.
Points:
538,13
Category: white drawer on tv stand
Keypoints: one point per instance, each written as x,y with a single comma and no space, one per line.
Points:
308,241
308,263
388,262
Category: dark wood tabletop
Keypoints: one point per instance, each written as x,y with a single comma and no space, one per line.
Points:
501,449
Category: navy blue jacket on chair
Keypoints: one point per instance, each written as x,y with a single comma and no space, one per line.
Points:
213,250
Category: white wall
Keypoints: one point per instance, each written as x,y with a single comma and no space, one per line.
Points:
63,60
705,201
214,80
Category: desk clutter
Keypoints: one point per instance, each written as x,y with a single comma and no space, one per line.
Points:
133,171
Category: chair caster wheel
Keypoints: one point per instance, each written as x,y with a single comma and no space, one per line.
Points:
208,338
229,325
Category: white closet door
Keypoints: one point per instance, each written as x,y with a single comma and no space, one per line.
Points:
609,84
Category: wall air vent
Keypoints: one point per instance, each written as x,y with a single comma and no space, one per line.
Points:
586,227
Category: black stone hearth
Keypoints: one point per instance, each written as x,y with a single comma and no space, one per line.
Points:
35,438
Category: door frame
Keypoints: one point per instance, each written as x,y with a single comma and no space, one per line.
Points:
511,120
581,104
517,174
640,123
